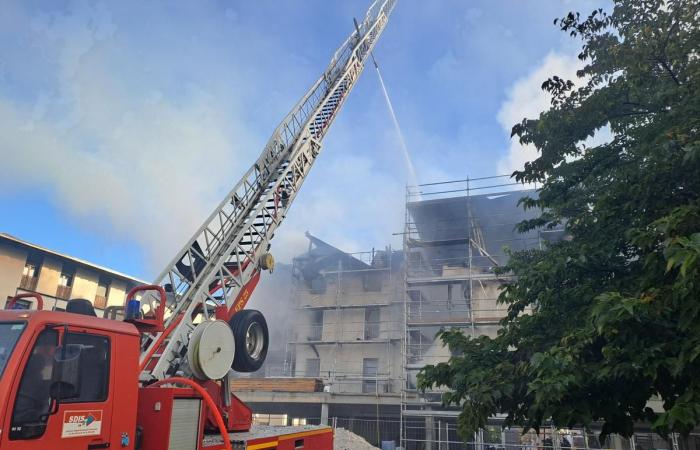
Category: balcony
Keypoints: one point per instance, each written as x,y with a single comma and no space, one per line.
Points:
100,302
63,292
28,283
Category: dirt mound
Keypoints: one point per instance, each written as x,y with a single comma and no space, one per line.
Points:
345,440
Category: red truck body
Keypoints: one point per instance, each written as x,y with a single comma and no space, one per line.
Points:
105,405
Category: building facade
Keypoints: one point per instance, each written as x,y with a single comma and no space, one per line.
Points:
344,330
27,267
347,315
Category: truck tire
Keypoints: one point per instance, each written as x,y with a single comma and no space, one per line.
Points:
251,337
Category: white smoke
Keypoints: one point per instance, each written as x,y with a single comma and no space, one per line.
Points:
525,98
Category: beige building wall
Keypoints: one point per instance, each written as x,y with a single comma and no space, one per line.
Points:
12,261
351,291
352,324
49,275
485,301
85,284
13,257
391,322
342,309
117,293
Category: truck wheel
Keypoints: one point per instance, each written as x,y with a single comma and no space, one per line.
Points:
251,338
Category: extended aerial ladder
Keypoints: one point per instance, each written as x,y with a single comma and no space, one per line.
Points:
221,264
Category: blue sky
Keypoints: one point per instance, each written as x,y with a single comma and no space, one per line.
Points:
123,123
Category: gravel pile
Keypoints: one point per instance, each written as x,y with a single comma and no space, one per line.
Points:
345,440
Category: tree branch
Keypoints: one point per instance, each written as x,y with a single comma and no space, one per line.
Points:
665,65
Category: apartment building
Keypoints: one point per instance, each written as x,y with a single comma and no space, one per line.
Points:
27,267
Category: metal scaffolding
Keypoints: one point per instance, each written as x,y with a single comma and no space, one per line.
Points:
455,236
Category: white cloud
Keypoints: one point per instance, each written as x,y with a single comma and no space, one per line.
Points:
525,98
117,157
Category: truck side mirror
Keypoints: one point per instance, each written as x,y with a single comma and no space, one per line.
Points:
65,380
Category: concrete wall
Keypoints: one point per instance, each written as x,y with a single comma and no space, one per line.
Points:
12,261
341,366
49,275
484,301
349,288
85,284
348,324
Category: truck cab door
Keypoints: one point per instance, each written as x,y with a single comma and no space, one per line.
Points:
62,396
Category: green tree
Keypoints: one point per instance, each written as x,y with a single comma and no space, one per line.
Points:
609,318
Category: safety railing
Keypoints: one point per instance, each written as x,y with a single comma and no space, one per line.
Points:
347,331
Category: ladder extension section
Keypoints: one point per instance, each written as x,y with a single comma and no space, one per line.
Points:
221,260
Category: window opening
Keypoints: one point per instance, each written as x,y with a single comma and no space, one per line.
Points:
371,323
370,369
33,400
313,368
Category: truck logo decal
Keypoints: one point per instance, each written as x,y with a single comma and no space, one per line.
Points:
81,423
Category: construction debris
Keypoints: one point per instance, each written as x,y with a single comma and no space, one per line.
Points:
346,440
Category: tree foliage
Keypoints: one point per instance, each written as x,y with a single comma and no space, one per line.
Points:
609,318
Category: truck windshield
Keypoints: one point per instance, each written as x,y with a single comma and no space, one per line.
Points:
9,334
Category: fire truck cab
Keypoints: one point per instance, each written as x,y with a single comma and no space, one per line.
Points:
64,377
70,381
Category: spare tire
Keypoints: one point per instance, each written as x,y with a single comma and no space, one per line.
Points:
251,337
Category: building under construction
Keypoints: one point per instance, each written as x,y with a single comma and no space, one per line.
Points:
363,324
347,316
456,235
344,338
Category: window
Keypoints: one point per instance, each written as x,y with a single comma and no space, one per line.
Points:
30,273
83,371
65,283
102,293
33,400
370,368
9,335
313,368
372,281
317,285
316,331
65,280
372,322
20,303
29,270
93,370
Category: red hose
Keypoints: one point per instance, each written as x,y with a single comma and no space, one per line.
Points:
207,399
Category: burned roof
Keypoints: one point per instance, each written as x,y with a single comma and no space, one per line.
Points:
322,256
488,220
